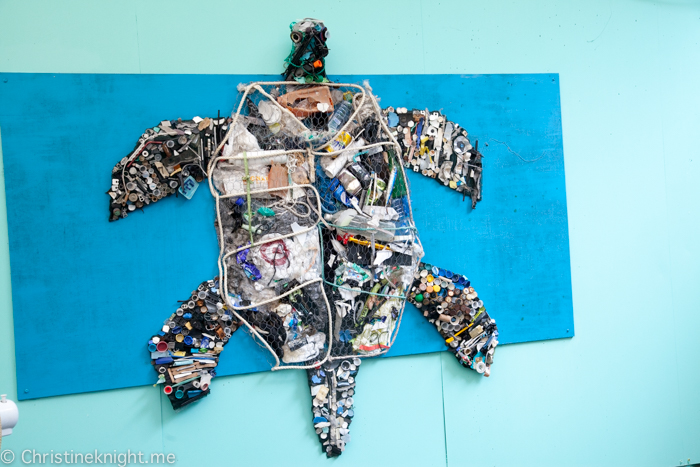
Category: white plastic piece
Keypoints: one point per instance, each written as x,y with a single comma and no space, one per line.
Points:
331,166
205,380
310,349
240,138
9,415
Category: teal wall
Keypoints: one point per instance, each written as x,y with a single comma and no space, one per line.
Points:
622,392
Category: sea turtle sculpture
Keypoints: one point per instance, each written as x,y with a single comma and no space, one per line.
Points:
318,249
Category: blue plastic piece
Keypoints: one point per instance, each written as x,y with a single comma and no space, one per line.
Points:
340,193
345,335
242,256
189,186
251,271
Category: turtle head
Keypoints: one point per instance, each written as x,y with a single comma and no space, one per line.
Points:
306,62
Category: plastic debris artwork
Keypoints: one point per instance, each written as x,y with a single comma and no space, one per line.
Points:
318,249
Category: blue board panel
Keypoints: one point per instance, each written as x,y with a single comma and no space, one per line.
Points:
87,293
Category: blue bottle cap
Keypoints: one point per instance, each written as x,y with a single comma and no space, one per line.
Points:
188,340
179,394
151,347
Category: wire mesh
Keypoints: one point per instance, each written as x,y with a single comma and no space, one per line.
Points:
318,245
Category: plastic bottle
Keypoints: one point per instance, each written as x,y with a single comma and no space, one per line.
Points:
272,115
340,142
349,182
340,194
348,221
340,116
332,167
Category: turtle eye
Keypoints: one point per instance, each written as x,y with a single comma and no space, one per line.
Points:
296,36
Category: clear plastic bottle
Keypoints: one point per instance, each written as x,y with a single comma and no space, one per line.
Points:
349,222
340,116
272,115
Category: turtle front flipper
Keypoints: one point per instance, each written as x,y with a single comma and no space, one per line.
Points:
186,350
437,148
170,158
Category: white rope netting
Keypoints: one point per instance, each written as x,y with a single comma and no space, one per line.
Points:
264,135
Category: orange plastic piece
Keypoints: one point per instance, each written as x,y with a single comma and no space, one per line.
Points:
278,179
305,102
